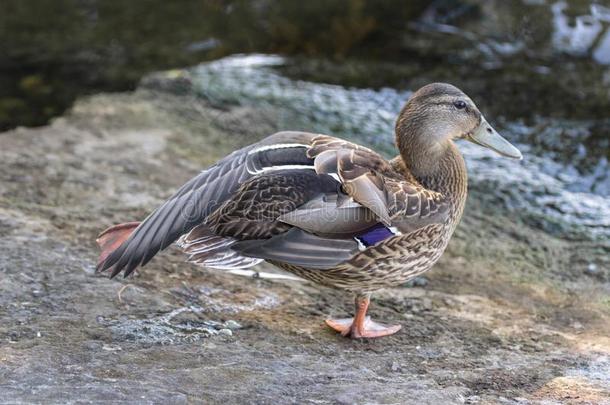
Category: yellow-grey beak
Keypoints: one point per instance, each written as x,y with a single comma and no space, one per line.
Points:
488,137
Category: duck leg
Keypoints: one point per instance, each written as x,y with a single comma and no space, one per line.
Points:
361,326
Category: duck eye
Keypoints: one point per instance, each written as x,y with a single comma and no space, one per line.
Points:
459,104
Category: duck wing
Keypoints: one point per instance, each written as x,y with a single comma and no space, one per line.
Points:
203,194
373,182
314,222
291,216
294,197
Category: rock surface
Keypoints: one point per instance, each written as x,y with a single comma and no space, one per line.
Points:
510,315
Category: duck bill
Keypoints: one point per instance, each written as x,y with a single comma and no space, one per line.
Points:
488,137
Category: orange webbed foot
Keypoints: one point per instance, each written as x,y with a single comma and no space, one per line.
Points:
369,329
361,326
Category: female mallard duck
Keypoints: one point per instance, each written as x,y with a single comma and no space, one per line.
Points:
326,209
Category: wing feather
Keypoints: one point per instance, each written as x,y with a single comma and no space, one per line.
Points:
373,182
300,248
195,201
257,203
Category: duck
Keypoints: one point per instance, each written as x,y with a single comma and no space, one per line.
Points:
326,209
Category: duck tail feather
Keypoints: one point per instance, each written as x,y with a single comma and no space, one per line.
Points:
112,238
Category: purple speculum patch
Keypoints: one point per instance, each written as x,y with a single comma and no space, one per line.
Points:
374,235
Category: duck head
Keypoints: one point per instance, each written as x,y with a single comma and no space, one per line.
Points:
433,117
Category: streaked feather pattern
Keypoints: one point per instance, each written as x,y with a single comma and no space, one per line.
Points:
304,202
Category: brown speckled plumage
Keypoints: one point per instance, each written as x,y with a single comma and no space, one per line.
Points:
323,208
402,257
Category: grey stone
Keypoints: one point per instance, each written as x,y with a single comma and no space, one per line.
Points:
77,340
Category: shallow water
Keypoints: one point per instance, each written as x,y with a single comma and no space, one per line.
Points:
563,198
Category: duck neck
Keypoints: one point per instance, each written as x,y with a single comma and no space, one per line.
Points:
440,168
